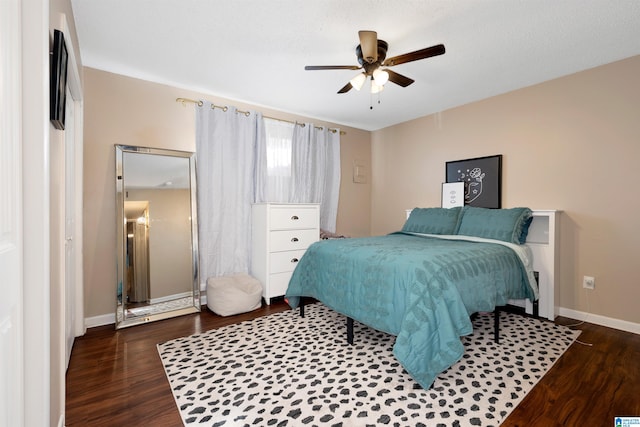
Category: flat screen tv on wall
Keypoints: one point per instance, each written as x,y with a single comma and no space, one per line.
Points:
58,80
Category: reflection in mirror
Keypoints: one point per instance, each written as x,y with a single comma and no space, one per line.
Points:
157,235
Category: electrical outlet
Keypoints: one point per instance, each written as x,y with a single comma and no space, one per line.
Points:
588,282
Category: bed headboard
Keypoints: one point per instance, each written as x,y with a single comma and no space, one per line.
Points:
544,239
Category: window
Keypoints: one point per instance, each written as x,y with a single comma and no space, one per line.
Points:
278,145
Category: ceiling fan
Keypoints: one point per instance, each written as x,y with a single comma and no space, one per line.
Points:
372,57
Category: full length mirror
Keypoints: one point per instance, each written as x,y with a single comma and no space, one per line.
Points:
156,235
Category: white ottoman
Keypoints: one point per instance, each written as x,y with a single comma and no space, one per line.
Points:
233,294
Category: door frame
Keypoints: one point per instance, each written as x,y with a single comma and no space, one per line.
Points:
34,115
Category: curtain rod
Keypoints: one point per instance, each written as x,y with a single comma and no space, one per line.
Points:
246,113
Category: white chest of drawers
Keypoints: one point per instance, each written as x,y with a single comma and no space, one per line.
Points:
281,233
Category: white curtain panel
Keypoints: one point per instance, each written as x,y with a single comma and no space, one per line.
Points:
329,207
226,146
315,170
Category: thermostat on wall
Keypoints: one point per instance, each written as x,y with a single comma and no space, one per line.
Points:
359,172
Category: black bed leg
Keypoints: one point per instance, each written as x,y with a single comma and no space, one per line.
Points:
350,330
301,308
496,325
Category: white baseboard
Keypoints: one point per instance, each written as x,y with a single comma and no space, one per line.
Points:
104,319
609,322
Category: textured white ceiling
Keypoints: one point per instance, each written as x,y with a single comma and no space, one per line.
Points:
255,51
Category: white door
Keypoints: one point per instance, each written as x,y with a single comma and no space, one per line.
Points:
69,229
11,301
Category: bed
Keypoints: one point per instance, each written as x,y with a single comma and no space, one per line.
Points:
422,283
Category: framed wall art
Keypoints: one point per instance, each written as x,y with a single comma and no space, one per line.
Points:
452,194
482,177
58,80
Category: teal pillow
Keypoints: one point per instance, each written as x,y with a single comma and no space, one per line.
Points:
509,225
433,220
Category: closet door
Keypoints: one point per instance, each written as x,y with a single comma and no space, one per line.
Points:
11,302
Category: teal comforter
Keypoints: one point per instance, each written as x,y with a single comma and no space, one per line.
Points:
420,289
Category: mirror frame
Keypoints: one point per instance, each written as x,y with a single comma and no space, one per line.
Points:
121,239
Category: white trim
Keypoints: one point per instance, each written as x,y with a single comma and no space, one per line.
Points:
75,87
596,319
103,319
12,330
36,209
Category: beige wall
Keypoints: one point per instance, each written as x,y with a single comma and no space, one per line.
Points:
123,110
571,144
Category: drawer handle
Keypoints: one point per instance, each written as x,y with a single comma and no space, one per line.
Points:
295,218
295,239
294,260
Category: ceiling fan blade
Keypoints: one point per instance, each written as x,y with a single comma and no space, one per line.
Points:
414,56
331,67
399,79
369,45
346,88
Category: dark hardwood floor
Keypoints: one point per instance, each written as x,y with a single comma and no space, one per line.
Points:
115,378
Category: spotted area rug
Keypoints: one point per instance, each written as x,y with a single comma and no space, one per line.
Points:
284,370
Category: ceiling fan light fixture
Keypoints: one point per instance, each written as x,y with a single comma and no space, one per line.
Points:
371,54
358,81
380,76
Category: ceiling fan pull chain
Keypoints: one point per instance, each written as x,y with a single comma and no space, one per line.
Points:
371,100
